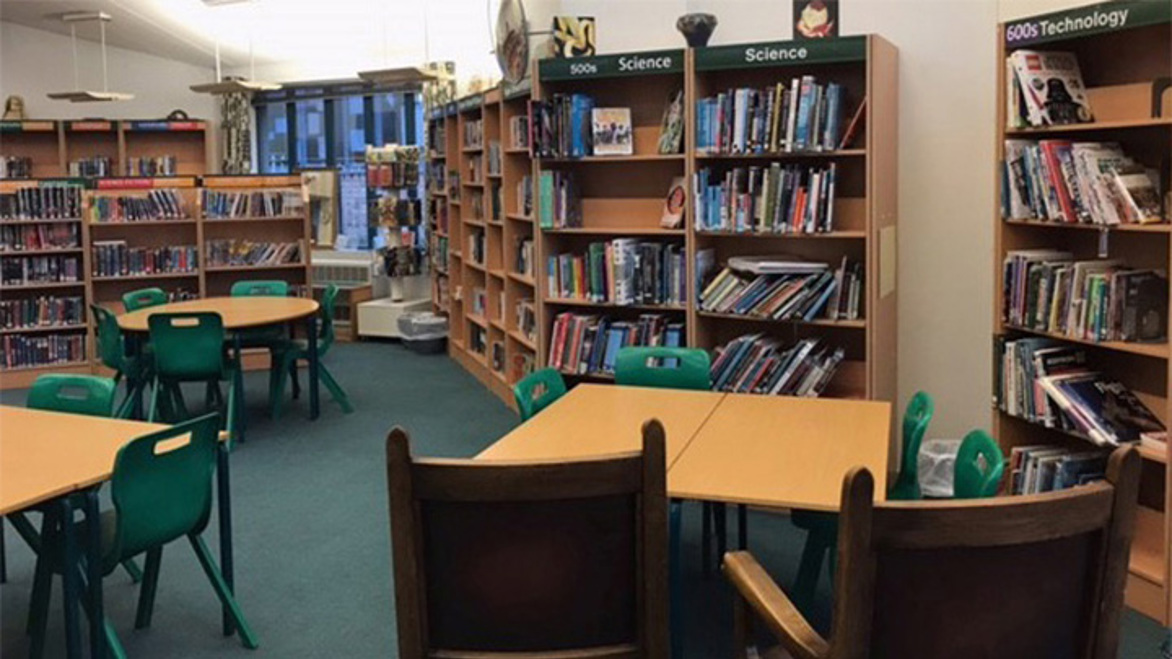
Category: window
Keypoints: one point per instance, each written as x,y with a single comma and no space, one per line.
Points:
272,139
388,119
311,134
349,134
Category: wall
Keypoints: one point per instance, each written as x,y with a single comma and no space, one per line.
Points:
35,62
947,79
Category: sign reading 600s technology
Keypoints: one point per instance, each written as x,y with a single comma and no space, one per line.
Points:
1084,21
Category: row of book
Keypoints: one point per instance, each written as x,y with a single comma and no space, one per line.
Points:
1077,183
804,294
22,350
16,167
756,364
1047,468
154,206
40,270
439,137
39,236
519,132
525,196
527,318
261,203
115,258
494,158
42,311
436,176
454,184
1097,300
774,199
477,247
166,165
475,171
236,252
1045,89
561,127
474,134
92,167
561,205
494,195
440,256
1050,383
479,299
622,271
393,166
589,344
46,202
801,116
523,264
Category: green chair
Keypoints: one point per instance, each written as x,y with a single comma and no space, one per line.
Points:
285,359
143,298
159,497
111,350
260,288
663,367
537,391
979,467
189,347
822,528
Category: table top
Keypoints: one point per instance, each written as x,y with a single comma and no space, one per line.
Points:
594,420
783,452
44,455
237,312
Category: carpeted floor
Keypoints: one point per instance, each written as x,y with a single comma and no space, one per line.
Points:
311,533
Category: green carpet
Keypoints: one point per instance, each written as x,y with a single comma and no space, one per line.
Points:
312,542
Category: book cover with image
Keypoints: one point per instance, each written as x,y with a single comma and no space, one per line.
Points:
612,132
1052,86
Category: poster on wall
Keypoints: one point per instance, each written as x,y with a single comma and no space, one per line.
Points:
815,19
573,36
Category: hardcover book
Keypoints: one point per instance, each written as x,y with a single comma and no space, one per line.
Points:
612,132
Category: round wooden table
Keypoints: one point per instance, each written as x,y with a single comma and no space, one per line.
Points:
240,313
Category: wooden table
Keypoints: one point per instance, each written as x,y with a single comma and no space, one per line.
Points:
595,419
245,312
46,455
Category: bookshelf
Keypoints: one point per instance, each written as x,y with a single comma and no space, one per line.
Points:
42,142
54,145
520,308
1120,66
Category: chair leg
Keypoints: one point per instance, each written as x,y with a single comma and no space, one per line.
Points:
293,375
38,610
27,532
230,420
705,537
153,409
810,567
226,598
114,647
721,511
278,394
335,389
180,404
132,570
146,593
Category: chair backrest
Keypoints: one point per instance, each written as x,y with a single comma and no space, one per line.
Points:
537,391
163,492
546,559
979,467
326,331
187,345
75,394
143,298
1011,577
111,350
663,367
916,418
260,288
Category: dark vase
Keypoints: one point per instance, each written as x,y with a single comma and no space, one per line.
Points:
696,28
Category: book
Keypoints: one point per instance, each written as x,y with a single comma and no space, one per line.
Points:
218,205
671,133
796,295
42,311
622,271
31,237
1138,190
777,118
47,201
587,344
20,270
115,258
1052,88
674,204
773,199
20,351
612,133
754,363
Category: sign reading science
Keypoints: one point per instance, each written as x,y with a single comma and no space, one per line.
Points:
611,66
781,53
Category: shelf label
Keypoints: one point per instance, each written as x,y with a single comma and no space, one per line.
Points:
612,66
90,126
469,103
165,126
450,109
781,53
27,126
1085,21
511,90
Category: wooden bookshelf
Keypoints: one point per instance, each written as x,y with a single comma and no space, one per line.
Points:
42,142
1115,63
53,145
623,196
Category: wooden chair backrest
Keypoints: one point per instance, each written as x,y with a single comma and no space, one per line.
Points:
550,559
1010,577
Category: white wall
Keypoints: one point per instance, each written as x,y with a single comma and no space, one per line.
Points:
35,62
947,90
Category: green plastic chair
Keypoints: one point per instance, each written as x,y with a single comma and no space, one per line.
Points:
979,467
285,360
537,391
260,288
159,497
189,347
143,298
663,367
822,528
111,351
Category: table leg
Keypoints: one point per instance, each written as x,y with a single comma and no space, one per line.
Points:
135,389
743,526
238,384
224,513
311,338
94,574
69,579
677,580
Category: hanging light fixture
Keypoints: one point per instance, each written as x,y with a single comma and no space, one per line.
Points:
234,84
405,75
79,95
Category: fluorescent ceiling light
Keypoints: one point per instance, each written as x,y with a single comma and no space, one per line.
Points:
89,97
82,96
402,75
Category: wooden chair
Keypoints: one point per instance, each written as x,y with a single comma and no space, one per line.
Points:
1010,577
533,560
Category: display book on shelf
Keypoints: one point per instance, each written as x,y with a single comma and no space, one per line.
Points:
122,234
1080,318
621,197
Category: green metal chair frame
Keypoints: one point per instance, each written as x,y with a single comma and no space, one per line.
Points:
143,298
537,391
822,528
189,347
159,497
285,360
979,467
663,367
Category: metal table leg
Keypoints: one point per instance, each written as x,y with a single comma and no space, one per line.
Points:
311,338
94,574
69,579
224,513
743,526
677,580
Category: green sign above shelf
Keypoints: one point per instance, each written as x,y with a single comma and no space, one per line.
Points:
782,53
653,62
1087,21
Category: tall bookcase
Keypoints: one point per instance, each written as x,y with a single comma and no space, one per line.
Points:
1121,67
623,197
521,312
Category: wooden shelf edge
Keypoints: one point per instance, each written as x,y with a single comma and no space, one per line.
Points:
1153,350
1147,549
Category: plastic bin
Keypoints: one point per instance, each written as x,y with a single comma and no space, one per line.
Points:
937,462
424,332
